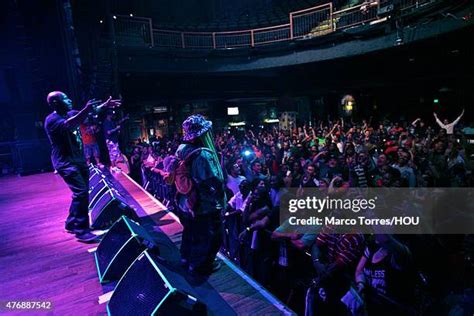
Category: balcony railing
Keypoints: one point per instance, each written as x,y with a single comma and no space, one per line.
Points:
311,22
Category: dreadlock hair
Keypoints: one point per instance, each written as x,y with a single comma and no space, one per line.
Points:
207,140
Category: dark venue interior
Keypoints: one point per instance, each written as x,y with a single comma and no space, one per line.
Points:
161,157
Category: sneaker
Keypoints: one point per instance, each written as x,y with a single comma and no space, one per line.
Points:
76,231
87,237
82,231
71,231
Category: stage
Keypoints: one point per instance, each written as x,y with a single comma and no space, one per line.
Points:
41,262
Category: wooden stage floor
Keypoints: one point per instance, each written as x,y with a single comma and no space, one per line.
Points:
38,260
41,262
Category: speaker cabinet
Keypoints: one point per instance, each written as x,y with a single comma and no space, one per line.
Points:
96,191
119,248
149,288
108,208
95,177
93,168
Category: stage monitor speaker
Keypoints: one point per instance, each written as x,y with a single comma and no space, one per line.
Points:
149,288
108,208
95,176
119,248
97,190
93,168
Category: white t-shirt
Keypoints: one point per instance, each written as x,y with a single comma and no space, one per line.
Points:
450,126
233,183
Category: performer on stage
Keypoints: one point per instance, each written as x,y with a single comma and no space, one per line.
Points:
111,131
202,205
91,149
62,128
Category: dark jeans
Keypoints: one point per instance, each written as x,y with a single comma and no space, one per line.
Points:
201,240
77,178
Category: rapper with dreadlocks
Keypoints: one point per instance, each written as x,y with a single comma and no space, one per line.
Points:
203,199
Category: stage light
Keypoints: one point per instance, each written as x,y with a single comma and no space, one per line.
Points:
247,153
131,15
436,101
101,21
235,124
348,103
269,121
115,17
349,106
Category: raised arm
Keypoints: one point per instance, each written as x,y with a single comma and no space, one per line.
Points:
438,121
459,117
76,120
109,104
332,130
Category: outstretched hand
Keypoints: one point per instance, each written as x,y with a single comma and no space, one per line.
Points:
111,103
92,103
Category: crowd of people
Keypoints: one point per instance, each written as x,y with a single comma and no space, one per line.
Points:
325,273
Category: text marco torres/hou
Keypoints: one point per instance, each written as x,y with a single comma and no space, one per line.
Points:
380,210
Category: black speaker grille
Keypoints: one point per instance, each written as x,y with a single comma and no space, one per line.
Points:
140,290
111,244
94,178
96,191
108,208
100,206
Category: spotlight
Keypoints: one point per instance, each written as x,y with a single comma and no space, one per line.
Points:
247,153
101,21
131,15
115,17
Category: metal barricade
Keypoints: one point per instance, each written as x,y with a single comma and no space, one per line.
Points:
316,21
411,4
311,22
164,38
233,39
133,31
198,40
356,15
271,34
156,185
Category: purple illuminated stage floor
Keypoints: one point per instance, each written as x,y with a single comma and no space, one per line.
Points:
38,260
